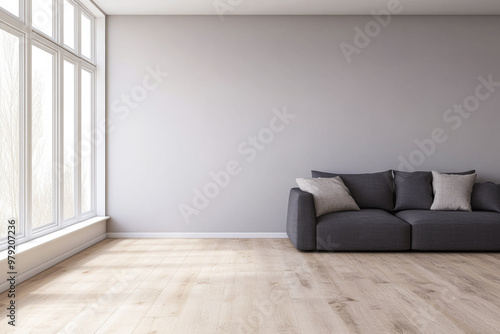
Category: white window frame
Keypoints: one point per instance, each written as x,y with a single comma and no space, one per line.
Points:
22,27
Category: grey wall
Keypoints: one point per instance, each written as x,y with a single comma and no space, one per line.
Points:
225,79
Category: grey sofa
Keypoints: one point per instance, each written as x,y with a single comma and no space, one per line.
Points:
377,229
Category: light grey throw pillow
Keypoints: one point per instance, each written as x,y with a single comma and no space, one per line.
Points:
452,192
330,194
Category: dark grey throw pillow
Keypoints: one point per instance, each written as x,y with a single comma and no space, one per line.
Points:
370,191
413,190
486,197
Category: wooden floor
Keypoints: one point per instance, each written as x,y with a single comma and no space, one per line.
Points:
258,286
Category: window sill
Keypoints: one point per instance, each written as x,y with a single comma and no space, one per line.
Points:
29,245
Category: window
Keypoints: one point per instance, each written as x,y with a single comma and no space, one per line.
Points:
42,137
9,128
86,36
49,105
43,16
86,141
69,139
69,24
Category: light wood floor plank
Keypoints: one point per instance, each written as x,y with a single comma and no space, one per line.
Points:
128,315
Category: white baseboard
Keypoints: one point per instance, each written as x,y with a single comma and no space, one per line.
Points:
46,265
161,235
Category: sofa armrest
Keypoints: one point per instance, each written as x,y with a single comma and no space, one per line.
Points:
301,220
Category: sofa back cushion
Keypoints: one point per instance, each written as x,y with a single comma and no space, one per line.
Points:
413,190
370,191
330,195
486,197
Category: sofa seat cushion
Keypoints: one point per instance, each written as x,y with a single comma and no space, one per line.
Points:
453,230
365,230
